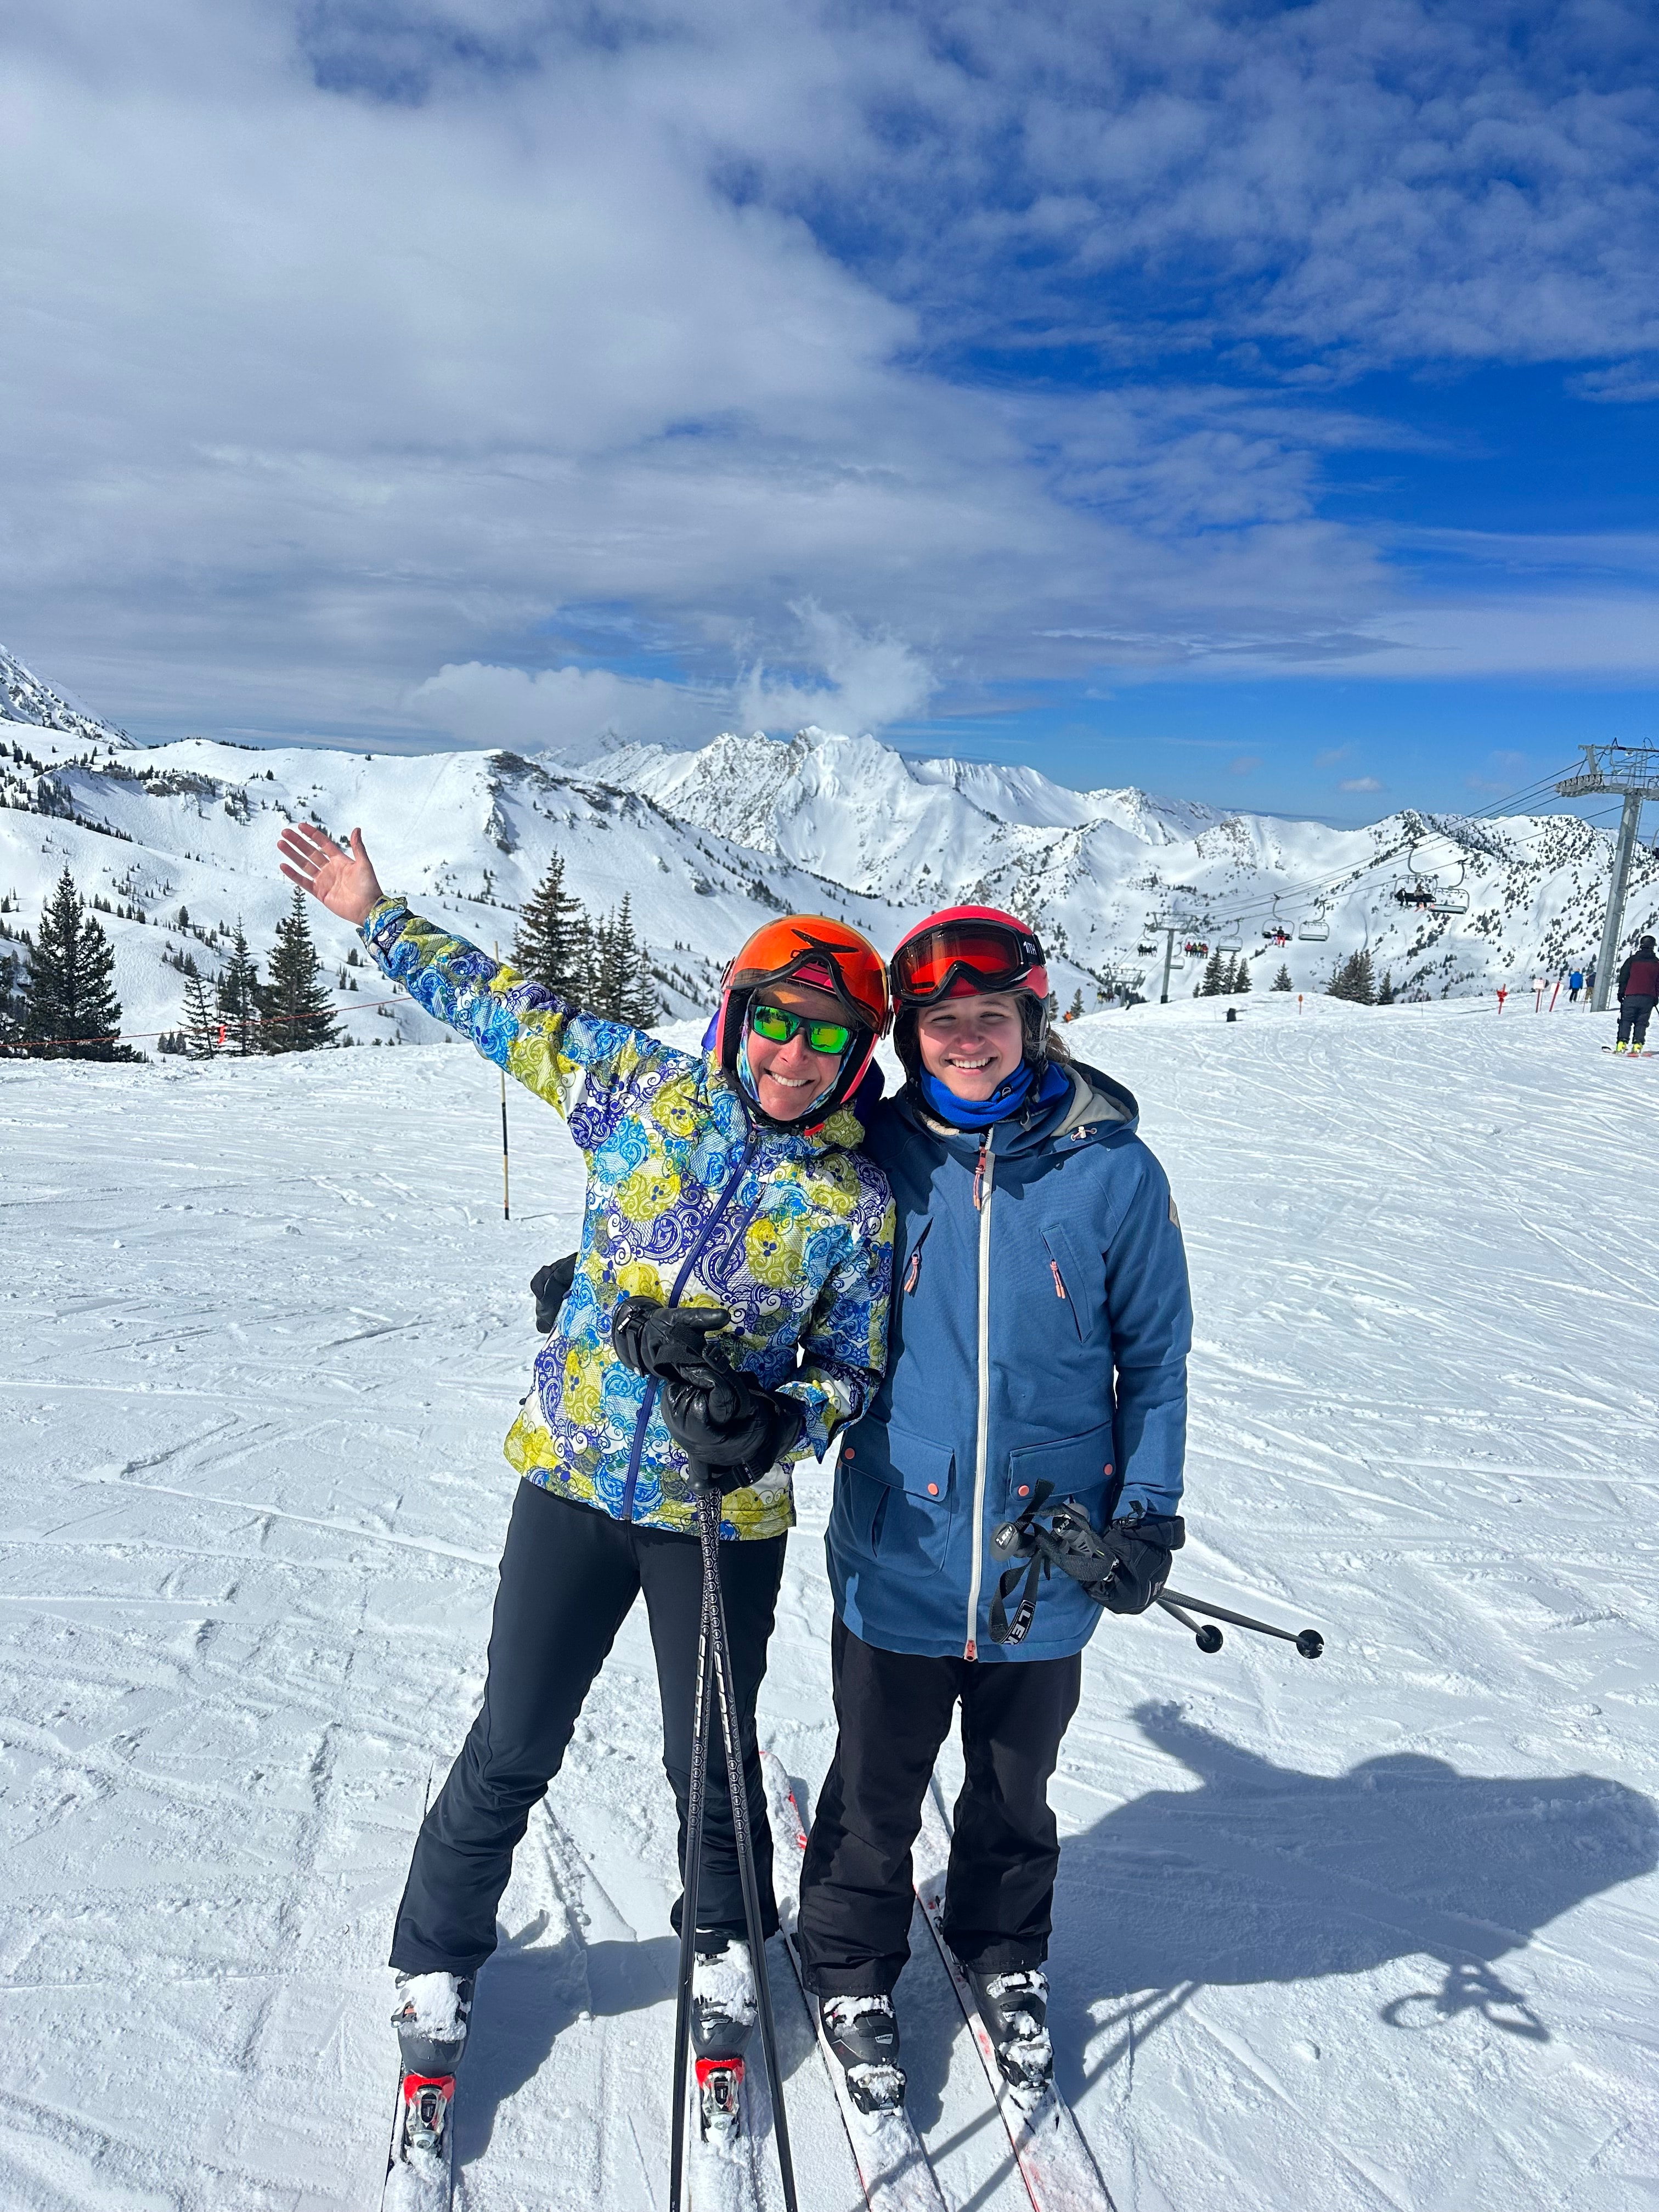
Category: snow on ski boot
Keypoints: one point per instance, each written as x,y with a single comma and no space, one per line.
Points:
1014,2006
430,2018
724,2006
863,2036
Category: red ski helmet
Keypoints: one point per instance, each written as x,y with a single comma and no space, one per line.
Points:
826,955
959,953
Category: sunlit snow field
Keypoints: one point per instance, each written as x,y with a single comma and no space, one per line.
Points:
1379,1932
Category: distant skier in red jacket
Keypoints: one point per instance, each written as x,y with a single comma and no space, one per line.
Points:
1639,989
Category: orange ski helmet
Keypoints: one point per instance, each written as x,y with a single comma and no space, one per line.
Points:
826,955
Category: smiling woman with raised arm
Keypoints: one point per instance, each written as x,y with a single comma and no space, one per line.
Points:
724,1189
1039,1338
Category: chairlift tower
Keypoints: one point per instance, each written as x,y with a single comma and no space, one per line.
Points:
1632,771
1169,925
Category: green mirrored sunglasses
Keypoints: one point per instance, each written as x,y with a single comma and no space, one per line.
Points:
777,1027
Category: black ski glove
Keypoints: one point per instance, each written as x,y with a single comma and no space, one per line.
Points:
1140,1550
723,1418
551,1287
653,1339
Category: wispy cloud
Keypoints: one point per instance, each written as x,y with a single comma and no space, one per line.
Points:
1361,783
1246,764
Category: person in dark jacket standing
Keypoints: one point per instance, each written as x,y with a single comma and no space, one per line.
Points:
1039,1334
1638,989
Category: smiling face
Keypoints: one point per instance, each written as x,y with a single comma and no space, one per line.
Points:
789,1077
972,1044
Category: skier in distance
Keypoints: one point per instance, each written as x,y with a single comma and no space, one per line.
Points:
1039,1336
722,1187
1638,989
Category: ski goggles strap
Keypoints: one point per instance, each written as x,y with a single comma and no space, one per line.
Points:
990,954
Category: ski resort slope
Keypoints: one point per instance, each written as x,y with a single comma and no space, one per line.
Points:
1378,1934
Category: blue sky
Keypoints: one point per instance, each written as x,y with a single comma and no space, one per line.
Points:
1255,404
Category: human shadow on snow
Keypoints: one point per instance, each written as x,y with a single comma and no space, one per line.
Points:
1264,1874
528,1994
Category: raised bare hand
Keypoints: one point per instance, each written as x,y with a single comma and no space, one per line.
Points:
345,882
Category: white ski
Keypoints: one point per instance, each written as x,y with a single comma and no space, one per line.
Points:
891,2158
417,2180
1056,2162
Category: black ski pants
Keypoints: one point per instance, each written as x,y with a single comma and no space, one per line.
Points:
1634,1014
569,1576
894,1712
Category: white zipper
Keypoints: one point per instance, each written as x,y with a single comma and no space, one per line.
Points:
983,1179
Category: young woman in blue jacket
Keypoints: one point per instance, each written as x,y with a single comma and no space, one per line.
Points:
1038,1341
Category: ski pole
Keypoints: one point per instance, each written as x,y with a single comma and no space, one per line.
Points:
700,1712
737,1789
1308,1641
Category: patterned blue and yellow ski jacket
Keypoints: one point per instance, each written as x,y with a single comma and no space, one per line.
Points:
688,1201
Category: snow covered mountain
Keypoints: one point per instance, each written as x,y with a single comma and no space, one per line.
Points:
24,698
707,843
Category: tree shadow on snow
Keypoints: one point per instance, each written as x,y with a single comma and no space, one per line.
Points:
1268,1875
530,1992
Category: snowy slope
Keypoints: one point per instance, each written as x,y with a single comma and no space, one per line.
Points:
1093,868
25,699
1378,1934
707,842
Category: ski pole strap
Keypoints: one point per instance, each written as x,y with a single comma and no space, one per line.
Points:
1003,1631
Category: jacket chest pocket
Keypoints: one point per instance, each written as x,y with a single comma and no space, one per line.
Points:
1076,1282
900,1492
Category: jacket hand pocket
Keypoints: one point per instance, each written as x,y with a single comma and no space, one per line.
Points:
900,1490
1077,1288
1079,1467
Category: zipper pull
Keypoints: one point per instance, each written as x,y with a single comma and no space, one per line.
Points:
1059,1287
979,1172
913,1272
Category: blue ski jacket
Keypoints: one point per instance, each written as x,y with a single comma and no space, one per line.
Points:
1039,1332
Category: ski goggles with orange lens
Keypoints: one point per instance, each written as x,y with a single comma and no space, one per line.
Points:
987,956
777,1025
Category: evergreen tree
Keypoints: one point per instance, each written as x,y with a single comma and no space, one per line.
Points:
238,997
1076,1006
72,995
1385,993
11,998
1282,981
1242,976
549,945
201,1023
1354,980
294,1000
622,988
1210,986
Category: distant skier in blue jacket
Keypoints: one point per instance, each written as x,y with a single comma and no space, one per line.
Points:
1039,1334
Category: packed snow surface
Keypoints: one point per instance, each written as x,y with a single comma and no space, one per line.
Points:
1378,1934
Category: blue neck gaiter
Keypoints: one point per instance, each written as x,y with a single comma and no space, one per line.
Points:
1007,1098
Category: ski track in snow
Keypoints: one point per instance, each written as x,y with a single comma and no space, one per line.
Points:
1377,1934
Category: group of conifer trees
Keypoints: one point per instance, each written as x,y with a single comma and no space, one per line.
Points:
57,992
1225,979
1356,979
288,1011
600,966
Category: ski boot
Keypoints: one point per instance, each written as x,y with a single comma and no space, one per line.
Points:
1014,2006
724,2006
863,2036
430,2018
1621,1047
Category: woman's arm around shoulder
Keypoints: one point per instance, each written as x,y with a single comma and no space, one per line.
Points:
844,1344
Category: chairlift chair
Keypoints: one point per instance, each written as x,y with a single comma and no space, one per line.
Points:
1315,929
1453,899
1233,936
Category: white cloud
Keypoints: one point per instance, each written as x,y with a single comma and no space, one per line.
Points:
567,708
1360,783
875,679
